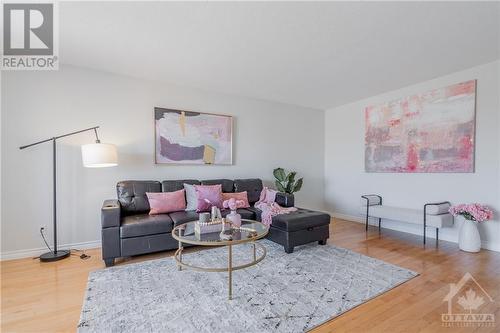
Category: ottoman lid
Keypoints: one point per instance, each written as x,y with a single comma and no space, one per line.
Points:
302,219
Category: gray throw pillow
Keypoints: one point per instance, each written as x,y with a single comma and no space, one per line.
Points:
191,199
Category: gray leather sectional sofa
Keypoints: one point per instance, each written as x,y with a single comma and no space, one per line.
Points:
128,229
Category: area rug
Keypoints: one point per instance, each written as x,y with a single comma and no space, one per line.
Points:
283,293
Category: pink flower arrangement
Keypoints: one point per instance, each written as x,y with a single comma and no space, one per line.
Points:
474,212
233,204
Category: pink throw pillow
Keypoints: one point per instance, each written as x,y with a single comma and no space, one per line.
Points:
166,202
237,196
208,196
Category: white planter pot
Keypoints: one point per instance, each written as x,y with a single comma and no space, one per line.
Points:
469,239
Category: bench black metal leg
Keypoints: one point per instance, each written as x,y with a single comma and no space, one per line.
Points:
425,217
367,210
367,206
379,221
424,228
425,220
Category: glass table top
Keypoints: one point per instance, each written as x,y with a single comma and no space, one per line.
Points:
250,231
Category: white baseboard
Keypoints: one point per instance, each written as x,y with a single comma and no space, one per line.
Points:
346,217
490,246
18,254
361,219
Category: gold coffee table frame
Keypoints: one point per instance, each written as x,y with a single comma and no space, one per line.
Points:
177,234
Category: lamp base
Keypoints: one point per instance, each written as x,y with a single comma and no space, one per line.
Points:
54,256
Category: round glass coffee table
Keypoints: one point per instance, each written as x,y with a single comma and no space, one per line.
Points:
249,232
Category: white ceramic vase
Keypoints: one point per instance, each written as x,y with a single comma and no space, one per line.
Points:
469,239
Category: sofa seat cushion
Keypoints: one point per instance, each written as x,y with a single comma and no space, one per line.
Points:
415,216
145,224
257,213
244,212
183,217
302,219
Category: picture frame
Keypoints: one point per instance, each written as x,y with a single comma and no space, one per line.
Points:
192,137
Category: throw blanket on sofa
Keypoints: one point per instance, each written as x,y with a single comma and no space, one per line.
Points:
269,207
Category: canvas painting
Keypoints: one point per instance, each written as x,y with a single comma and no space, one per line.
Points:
429,132
187,137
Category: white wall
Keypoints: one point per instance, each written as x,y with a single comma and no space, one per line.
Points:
345,179
37,105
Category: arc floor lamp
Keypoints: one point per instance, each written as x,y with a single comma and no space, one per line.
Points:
95,155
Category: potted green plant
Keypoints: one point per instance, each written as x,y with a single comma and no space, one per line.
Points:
285,182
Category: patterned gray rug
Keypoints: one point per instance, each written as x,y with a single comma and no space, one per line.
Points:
284,293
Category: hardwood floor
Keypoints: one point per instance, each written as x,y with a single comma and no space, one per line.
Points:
47,297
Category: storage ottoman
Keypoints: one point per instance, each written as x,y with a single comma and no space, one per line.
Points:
300,227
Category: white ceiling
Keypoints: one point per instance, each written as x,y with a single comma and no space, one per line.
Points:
316,54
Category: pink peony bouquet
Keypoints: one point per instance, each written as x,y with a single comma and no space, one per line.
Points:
233,204
474,212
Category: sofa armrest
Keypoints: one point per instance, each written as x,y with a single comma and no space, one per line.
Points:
110,213
285,199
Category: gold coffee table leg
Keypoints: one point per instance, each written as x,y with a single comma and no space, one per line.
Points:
230,271
180,251
180,256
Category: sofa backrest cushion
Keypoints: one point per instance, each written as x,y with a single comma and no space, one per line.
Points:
176,185
252,186
227,184
132,195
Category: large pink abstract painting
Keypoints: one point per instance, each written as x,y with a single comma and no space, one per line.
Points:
429,132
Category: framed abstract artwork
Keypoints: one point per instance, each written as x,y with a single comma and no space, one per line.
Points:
188,137
429,132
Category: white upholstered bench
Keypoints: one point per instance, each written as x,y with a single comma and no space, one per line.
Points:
434,215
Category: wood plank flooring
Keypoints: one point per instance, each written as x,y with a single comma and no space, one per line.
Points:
48,297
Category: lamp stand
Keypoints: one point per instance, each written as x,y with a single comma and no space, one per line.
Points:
56,254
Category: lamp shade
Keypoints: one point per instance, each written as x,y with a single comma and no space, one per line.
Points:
99,155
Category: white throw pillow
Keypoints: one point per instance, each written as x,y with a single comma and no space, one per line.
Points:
191,199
